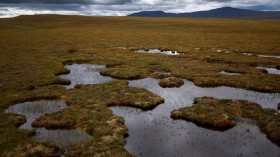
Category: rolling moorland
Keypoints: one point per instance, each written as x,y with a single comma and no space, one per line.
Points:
34,50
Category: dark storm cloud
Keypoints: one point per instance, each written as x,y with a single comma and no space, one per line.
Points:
98,2
11,8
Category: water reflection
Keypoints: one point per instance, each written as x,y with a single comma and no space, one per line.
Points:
265,56
229,73
35,109
85,74
270,70
154,133
152,51
185,94
62,138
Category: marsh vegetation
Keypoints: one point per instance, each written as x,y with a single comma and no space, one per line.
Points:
92,66
149,131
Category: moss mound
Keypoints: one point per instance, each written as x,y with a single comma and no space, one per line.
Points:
171,82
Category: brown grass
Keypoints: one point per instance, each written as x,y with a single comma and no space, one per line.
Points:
34,50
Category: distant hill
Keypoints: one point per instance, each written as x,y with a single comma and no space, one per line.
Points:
225,12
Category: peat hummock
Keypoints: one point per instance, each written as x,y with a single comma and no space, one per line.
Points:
171,82
90,74
161,74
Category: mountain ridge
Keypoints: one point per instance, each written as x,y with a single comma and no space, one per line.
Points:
225,12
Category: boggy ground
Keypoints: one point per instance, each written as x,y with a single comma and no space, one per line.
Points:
224,114
88,110
34,50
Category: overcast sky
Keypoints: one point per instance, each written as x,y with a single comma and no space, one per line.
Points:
11,8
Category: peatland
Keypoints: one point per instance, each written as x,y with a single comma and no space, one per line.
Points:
34,50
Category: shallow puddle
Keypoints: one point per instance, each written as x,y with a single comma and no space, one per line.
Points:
154,133
152,51
265,56
85,74
229,73
33,110
270,70
185,94
268,56
162,73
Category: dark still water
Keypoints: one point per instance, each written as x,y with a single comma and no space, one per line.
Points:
153,133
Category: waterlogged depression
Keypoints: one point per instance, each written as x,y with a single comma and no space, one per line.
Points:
85,74
62,138
153,51
229,73
35,109
154,133
270,70
264,56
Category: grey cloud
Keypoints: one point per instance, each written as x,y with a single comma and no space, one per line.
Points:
218,0
11,8
51,7
97,2
4,9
